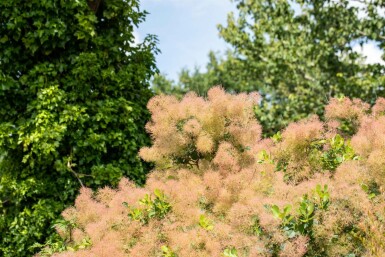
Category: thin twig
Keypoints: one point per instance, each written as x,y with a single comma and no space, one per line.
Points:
69,167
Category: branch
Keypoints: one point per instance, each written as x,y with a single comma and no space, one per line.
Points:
360,1
69,167
363,34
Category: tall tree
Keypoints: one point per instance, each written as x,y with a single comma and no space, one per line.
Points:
298,54
73,90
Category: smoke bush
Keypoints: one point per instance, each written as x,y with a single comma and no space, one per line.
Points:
345,115
219,190
369,143
194,131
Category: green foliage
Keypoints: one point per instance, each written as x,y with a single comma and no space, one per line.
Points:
264,157
277,137
372,189
167,252
205,223
53,245
330,153
56,243
152,208
339,152
73,91
297,54
283,215
302,223
348,127
160,84
306,216
255,228
322,197
230,252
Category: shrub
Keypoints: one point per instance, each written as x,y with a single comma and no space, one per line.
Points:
345,115
307,147
223,207
189,133
369,142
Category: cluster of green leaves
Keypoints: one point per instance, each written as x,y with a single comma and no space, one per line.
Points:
303,222
56,243
205,223
338,152
310,212
297,54
329,152
255,228
73,92
156,208
167,252
52,245
371,188
322,196
348,127
230,252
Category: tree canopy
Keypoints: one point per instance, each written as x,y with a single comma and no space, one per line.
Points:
73,90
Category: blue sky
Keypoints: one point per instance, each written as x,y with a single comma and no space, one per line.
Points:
187,31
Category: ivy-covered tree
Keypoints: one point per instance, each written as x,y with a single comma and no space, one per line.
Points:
73,90
297,54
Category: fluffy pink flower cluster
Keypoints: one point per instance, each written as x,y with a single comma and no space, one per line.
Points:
344,115
369,142
194,130
223,205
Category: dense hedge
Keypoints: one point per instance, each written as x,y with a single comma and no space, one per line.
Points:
316,189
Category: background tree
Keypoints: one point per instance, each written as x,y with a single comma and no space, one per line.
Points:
298,54
73,90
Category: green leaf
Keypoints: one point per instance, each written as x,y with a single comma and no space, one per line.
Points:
275,211
4,39
205,223
158,193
